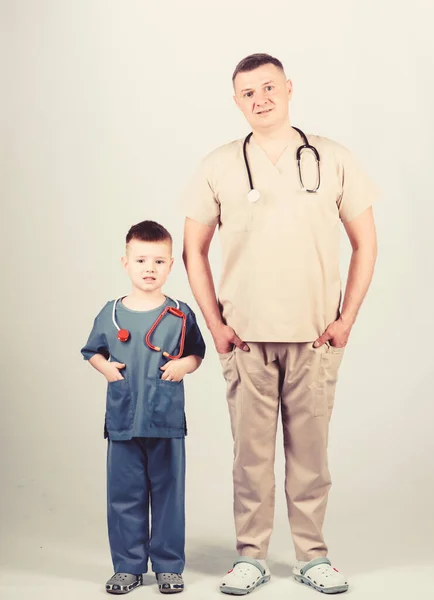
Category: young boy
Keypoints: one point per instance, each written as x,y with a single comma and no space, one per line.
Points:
144,344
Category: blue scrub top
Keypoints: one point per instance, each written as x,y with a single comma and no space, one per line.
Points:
142,404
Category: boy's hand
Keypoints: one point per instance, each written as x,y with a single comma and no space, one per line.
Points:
175,370
112,371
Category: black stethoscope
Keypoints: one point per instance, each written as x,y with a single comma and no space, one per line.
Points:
254,195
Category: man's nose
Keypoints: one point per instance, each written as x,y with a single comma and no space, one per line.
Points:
261,97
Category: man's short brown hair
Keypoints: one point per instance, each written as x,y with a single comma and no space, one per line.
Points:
253,61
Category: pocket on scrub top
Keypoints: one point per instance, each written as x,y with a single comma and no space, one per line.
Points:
119,413
168,405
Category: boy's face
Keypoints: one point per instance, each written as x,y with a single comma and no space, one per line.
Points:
148,264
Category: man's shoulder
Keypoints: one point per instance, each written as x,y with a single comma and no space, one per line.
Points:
228,151
323,143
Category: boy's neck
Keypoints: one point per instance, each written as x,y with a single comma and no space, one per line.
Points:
140,300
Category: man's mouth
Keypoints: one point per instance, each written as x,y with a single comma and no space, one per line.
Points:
264,112
148,278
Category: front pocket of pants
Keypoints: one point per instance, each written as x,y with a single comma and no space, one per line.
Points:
226,362
168,405
119,413
326,381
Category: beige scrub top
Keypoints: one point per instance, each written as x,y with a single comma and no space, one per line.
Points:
280,277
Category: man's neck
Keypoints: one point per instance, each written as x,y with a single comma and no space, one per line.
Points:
278,135
275,141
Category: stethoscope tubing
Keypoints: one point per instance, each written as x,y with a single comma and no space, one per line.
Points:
300,149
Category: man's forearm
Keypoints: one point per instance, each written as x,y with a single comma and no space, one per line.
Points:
359,278
202,285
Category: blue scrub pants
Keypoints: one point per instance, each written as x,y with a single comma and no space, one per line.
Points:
143,474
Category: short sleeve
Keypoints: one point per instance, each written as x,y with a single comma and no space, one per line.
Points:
96,343
199,201
194,344
358,191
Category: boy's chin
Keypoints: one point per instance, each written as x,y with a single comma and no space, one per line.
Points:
148,287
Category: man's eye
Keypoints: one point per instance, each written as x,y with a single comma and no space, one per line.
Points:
248,94
269,88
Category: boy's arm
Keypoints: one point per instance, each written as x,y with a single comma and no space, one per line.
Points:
175,370
191,363
194,352
97,352
110,370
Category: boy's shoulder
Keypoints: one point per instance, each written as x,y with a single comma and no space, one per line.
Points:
183,306
106,310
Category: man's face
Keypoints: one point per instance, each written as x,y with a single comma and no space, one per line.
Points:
262,96
148,264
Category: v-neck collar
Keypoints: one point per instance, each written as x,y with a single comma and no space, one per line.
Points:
288,152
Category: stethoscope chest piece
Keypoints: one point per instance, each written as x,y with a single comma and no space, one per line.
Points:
123,335
253,196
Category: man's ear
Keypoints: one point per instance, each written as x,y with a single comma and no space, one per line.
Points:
236,101
289,88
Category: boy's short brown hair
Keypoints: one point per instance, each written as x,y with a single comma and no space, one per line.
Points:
148,231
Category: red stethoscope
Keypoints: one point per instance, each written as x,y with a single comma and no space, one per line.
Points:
124,334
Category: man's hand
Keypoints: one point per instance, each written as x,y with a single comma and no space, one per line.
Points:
225,338
337,333
112,371
175,370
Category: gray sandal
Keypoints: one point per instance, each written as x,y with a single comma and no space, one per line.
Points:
122,583
170,583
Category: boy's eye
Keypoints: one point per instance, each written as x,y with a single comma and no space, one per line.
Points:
160,262
269,88
248,94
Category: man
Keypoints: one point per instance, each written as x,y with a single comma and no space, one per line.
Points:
277,325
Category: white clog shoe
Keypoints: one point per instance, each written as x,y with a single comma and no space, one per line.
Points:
245,576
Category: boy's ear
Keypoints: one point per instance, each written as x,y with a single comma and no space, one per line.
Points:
124,261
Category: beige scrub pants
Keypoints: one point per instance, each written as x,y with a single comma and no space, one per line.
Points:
301,380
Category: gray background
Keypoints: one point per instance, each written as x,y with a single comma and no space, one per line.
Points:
106,109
